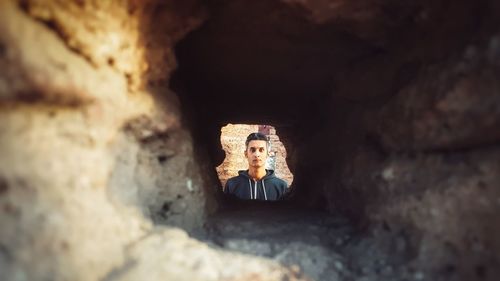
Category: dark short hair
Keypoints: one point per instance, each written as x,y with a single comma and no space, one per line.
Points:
256,136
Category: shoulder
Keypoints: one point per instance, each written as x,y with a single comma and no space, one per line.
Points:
232,182
279,182
235,179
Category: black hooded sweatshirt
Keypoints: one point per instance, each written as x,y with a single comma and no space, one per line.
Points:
244,187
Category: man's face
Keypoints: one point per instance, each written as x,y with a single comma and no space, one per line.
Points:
256,153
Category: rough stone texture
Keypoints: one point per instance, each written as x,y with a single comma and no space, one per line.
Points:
94,155
233,137
171,255
166,181
278,150
453,105
389,111
132,41
331,250
280,237
91,153
450,199
431,165
426,167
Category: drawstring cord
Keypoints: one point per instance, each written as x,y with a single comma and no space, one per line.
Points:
250,186
255,190
264,188
253,195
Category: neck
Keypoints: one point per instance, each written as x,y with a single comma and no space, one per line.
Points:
257,173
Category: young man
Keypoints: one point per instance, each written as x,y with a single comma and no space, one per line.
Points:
256,183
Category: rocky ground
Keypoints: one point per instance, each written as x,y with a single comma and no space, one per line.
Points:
322,246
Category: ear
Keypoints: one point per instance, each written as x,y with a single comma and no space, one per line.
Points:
246,155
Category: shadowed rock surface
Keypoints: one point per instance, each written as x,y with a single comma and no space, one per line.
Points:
110,115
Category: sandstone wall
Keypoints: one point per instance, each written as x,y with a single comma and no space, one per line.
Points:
81,133
427,166
94,156
390,108
98,166
280,157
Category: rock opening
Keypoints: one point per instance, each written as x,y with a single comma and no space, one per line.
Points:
110,123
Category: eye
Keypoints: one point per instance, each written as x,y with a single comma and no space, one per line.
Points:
252,149
261,149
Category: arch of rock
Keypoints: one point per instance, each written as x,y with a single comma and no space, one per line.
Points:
111,110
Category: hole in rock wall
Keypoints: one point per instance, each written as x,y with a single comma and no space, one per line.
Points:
233,138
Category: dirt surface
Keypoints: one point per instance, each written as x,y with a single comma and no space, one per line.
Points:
321,245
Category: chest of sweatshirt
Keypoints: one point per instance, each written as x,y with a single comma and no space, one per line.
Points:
264,189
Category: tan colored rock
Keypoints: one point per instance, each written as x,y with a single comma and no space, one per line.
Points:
170,254
75,190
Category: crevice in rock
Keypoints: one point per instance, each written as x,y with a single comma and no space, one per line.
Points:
53,26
